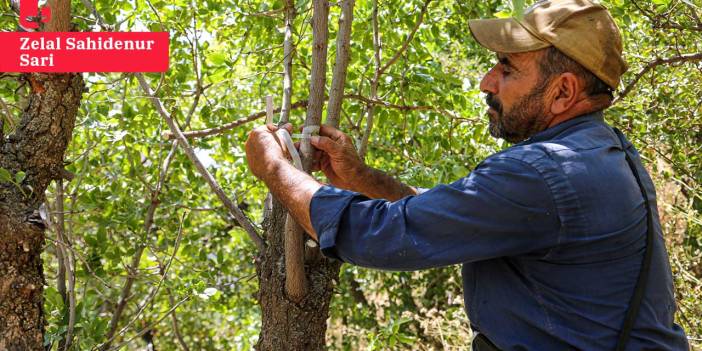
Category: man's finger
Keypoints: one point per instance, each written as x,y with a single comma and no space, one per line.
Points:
324,143
288,127
331,132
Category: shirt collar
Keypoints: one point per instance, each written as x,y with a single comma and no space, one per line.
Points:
550,133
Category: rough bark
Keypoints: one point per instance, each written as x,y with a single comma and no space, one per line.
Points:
36,148
287,325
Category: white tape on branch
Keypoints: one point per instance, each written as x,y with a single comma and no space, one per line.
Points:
290,146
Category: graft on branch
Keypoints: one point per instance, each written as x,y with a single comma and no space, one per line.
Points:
343,38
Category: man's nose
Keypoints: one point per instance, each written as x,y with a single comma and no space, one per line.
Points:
488,84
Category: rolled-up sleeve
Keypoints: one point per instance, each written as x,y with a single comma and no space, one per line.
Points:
502,208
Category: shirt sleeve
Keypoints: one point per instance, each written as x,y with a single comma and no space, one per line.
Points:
502,208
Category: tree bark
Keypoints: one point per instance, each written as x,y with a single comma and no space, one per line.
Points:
36,148
287,325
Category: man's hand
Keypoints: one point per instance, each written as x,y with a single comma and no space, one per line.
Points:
338,160
263,151
292,187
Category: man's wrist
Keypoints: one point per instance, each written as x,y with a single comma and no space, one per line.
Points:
360,179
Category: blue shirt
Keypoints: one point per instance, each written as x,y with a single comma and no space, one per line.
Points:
551,234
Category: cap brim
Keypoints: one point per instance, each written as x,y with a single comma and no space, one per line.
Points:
504,35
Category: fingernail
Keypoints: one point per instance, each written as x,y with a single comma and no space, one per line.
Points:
314,139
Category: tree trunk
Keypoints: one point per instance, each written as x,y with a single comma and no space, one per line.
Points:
287,325
36,148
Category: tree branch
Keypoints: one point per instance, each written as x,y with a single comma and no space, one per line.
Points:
370,109
69,264
288,49
60,16
174,321
164,272
233,209
231,125
343,39
653,64
300,104
150,326
407,41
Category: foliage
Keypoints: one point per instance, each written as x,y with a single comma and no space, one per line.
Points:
225,57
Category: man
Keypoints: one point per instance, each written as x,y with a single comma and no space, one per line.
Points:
553,232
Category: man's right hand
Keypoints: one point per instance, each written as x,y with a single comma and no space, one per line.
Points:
338,159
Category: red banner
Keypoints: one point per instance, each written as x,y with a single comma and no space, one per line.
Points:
84,52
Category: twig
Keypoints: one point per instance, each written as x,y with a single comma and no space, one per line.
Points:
370,109
174,321
233,209
380,69
653,64
69,263
409,38
150,326
343,39
8,114
96,14
152,294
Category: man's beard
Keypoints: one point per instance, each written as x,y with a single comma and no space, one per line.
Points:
524,119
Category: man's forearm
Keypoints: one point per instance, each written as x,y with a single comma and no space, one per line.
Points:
379,185
294,189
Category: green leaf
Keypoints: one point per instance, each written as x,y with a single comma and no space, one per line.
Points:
19,177
5,176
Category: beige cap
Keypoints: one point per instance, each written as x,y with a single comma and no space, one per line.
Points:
580,29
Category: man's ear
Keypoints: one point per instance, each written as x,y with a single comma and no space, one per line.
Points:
566,89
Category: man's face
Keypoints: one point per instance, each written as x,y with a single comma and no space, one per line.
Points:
515,92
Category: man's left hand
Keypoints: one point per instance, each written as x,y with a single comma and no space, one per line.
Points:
263,151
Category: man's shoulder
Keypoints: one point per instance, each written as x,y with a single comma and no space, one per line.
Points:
570,145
